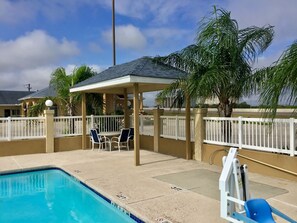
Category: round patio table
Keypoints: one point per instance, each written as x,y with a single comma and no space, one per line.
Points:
108,135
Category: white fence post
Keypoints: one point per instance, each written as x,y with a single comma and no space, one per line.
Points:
177,127
9,128
141,123
240,132
292,137
92,122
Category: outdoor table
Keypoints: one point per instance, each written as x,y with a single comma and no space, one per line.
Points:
109,135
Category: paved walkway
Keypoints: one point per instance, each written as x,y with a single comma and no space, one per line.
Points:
161,188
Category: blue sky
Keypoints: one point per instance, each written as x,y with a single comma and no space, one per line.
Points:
38,36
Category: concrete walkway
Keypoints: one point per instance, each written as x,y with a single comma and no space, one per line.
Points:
163,189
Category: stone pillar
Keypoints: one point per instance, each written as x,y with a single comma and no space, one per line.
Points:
199,132
157,128
49,131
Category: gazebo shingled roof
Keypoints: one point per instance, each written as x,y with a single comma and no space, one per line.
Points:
150,74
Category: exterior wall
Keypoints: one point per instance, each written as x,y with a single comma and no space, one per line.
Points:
167,146
68,143
3,108
174,147
22,147
213,154
147,142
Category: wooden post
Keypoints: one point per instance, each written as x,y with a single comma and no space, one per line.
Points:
136,124
84,122
188,128
126,110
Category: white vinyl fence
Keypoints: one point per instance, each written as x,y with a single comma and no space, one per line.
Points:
72,125
146,124
34,127
278,135
21,128
67,126
174,127
105,123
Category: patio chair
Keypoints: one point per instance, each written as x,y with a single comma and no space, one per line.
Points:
122,140
131,135
260,211
97,139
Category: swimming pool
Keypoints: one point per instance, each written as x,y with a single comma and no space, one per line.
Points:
54,196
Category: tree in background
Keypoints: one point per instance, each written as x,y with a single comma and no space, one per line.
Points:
280,81
220,63
66,100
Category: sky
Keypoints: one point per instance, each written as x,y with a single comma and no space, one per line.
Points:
37,36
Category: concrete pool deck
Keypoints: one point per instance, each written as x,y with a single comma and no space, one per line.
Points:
163,189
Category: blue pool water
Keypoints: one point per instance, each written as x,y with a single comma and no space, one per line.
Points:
54,196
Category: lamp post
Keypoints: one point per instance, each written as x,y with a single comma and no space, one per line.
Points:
48,104
113,35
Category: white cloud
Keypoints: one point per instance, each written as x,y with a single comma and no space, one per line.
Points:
34,49
280,14
127,37
16,80
159,12
13,12
161,36
32,58
95,67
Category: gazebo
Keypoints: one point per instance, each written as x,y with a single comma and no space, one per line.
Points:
138,76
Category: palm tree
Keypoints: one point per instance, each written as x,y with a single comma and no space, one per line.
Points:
63,83
280,81
69,101
219,64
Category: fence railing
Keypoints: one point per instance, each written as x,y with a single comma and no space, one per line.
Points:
67,126
34,127
104,123
278,135
21,128
174,127
146,124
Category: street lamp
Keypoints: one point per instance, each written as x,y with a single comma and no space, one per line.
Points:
48,104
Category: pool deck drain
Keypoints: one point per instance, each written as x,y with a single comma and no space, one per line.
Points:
141,190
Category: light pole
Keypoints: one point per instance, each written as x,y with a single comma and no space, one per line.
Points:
113,34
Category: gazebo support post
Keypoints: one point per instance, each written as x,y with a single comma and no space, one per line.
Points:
126,111
84,121
188,128
136,123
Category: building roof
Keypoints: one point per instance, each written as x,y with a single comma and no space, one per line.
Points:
143,70
11,97
45,92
